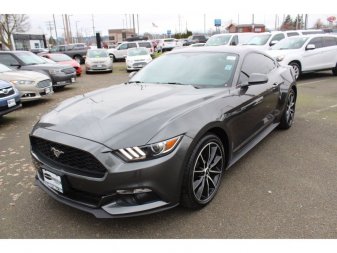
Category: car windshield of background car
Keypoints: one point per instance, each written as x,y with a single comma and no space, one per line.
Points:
201,70
259,40
30,58
59,57
290,43
97,54
218,40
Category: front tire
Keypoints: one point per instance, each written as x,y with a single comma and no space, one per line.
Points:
297,69
203,173
288,115
334,70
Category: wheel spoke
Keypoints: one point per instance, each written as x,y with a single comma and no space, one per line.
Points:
196,183
210,179
215,171
207,189
203,160
212,155
201,189
216,160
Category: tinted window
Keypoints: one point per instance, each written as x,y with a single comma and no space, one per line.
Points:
329,41
132,45
278,37
145,44
290,34
255,63
318,42
8,59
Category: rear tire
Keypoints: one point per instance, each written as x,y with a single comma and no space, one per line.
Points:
288,114
334,70
297,69
203,173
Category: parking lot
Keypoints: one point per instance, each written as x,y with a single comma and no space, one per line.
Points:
284,188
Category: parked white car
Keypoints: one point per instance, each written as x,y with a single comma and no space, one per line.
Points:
119,53
232,39
32,85
98,60
307,53
166,44
137,58
263,41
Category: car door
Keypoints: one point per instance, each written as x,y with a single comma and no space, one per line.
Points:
313,59
121,51
256,104
329,51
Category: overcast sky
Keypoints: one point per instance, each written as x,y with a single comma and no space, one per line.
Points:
164,14
194,22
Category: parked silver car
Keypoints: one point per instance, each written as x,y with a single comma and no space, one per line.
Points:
98,60
32,85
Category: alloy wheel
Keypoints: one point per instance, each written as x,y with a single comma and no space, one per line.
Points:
290,108
207,172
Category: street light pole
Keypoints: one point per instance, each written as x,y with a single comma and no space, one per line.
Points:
55,29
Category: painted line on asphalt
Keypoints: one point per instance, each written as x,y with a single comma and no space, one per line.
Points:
302,84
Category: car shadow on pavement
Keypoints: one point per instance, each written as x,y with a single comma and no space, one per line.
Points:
308,76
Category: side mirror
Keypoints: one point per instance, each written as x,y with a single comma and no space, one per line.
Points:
17,65
233,43
132,74
272,43
310,47
256,79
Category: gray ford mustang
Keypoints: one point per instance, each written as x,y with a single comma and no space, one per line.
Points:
166,136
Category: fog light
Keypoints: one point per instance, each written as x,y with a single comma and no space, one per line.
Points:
134,191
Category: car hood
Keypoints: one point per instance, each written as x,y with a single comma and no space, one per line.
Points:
125,115
23,75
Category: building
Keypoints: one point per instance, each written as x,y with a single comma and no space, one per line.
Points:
23,41
244,28
119,35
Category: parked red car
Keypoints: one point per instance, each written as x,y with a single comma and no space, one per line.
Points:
66,60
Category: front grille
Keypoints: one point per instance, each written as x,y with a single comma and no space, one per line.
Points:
44,84
5,92
72,159
68,71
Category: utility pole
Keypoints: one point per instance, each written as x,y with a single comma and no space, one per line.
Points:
253,25
55,29
204,24
77,36
306,22
138,24
93,24
238,18
133,22
67,28
70,32
126,21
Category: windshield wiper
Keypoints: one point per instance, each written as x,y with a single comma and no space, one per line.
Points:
33,63
133,82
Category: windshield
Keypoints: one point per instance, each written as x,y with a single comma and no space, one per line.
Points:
259,40
245,37
197,69
218,40
97,54
29,58
59,57
4,68
137,51
290,43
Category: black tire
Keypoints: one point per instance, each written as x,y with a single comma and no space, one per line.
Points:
288,114
334,70
297,68
113,58
202,176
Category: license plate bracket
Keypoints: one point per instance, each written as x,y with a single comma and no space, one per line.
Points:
52,181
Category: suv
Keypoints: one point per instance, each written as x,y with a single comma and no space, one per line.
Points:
120,52
166,44
77,51
60,75
263,41
195,39
232,39
307,53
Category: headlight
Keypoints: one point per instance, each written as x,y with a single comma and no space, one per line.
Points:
280,58
130,62
55,71
149,151
22,82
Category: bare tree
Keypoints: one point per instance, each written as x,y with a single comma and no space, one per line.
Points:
11,23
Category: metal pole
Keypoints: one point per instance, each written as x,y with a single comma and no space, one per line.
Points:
93,24
67,28
138,23
126,21
253,26
70,33
64,29
133,22
205,24
55,29
77,31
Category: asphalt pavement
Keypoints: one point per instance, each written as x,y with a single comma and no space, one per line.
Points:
286,187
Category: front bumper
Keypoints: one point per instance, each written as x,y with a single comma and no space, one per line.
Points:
95,68
31,93
63,79
102,196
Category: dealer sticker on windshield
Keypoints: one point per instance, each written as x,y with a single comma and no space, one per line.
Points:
231,58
